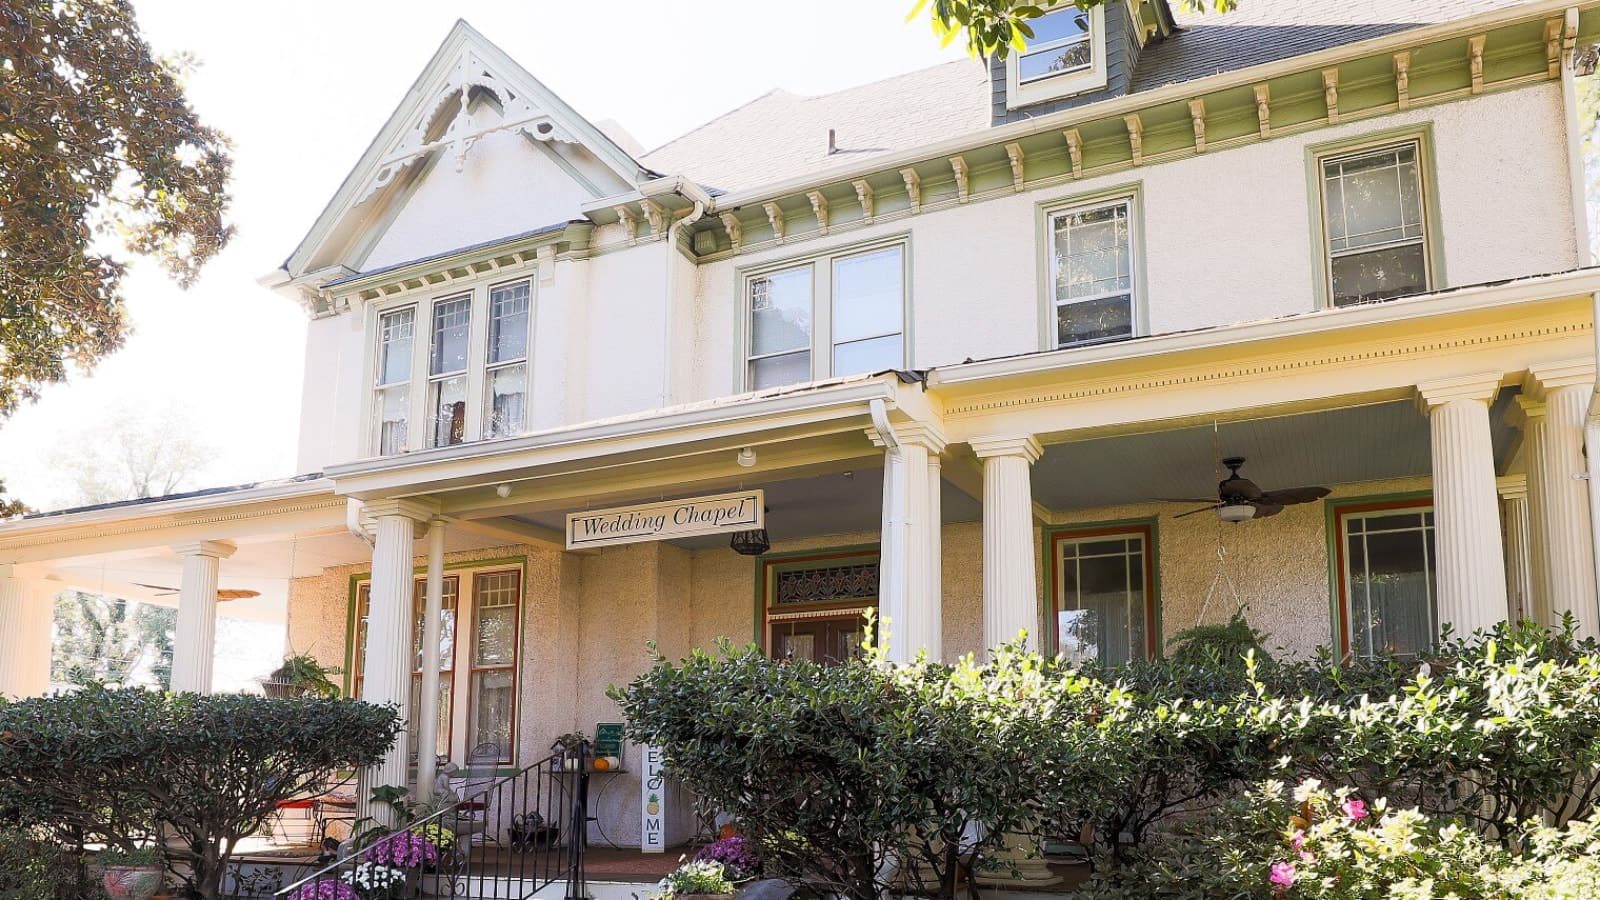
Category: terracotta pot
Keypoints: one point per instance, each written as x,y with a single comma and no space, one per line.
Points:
131,882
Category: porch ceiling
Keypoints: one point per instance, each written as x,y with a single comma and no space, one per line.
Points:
1340,446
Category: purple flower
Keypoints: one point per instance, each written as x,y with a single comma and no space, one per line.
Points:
403,850
735,854
1355,808
1282,876
325,889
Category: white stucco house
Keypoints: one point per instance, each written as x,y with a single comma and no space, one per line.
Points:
944,347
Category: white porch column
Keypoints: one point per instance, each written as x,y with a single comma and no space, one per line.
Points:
386,670
428,703
934,623
1470,559
1519,559
1010,585
1529,415
909,609
194,648
26,611
1565,389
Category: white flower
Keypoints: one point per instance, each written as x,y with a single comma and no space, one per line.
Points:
374,877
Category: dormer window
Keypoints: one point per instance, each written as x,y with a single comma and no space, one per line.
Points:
1065,57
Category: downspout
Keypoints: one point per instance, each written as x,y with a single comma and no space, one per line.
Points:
352,520
892,556
675,228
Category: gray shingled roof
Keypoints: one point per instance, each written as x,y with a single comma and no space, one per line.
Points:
779,135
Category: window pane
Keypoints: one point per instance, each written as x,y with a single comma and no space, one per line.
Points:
508,322
447,405
874,355
449,593
1059,26
774,371
1093,252
451,322
1391,590
1102,615
1072,57
495,643
780,311
507,414
1088,321
394,345
1373,198
413,722
1379,274
868,296
394,411
492,695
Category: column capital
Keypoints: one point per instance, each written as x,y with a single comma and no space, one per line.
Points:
213,549
918,434
1481,387
1547,377
419,511
1512,487
1523,410
1023,445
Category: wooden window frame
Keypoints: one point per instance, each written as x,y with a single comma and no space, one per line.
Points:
1339,564
419,602
491,367
514,667
1146,529
767,569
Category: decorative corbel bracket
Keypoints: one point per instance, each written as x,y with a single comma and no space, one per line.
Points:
1402,79
864,197
1075,148
1014,153
913,187
1135,137
774,218
547,264
1330,93
1552,47
629,222
1197,117
819,206
1475,60
730,224
656,215
1264,109
958,165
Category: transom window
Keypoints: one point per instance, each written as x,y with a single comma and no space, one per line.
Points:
468,380
1374,222
1092,270
1104,598
1062,43
814,607
842,314
1387,579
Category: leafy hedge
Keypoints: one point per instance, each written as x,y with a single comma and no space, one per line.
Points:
120,767
860,776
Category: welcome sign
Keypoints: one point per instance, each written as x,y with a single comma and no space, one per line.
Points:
742,511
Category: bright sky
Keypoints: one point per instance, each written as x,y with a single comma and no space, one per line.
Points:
301,87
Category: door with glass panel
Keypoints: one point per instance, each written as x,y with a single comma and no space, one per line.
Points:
1104,598
1387,579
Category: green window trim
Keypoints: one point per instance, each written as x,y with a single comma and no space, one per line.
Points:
1133,192
1332,509
1433,222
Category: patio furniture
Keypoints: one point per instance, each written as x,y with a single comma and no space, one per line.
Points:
483,765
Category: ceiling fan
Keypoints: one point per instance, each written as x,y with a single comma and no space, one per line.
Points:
222,595
1239,499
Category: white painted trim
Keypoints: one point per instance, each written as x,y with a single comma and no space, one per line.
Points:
1066,84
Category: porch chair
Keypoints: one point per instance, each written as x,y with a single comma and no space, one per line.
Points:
483,764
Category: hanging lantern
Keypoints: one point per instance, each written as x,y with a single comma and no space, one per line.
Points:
750,543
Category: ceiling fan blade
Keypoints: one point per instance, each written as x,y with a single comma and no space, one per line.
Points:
1264,510
1200,510
1290,496
236,594
160,589
1184,500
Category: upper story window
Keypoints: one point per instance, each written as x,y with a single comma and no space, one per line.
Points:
1066,56
840,314
468,379
1375,224
1388,587
1092,272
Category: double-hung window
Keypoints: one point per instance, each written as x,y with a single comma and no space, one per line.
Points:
1387,578
392,396
1063,42
1375,223
1104,595
496,604
1092,270
841,314
506,404
447,371
449,595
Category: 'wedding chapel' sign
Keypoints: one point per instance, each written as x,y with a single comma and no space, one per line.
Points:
666,520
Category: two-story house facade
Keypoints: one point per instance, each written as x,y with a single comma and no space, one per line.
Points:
977,349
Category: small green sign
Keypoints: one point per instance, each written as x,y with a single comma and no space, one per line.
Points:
608,739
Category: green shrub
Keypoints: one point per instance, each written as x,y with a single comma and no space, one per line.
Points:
121,766
37,869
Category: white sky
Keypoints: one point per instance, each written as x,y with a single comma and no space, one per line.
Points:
301,88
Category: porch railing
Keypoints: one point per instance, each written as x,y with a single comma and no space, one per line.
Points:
515,837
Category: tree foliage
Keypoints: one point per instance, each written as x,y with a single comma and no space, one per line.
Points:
997,28
121,766
108,640
100,152
131,454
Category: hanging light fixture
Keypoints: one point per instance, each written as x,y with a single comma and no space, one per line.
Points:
1236,512
751,543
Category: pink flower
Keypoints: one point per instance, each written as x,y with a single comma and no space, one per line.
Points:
1355,808
1282,876
1298,839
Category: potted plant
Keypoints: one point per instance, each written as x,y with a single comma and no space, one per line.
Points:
130,874
299,675
701,879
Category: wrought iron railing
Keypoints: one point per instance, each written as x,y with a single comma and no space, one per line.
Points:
514,837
